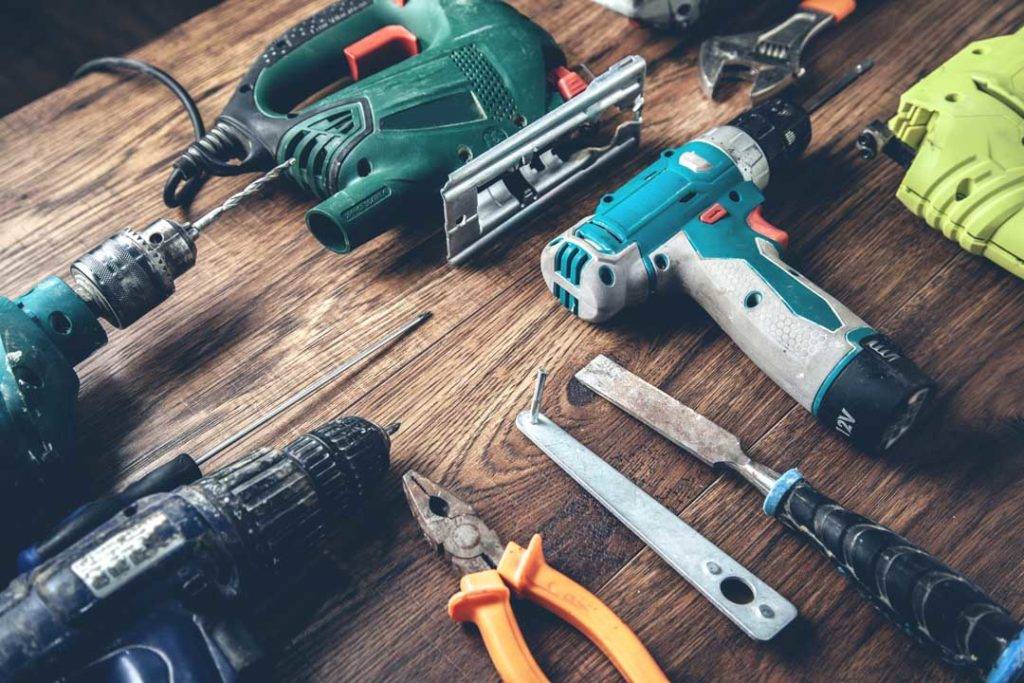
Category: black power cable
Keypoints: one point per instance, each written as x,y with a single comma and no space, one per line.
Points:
207,156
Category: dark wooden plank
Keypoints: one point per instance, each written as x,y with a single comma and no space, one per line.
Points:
266,310
43,42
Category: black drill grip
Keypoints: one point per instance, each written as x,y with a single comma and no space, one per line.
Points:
167,477
937,606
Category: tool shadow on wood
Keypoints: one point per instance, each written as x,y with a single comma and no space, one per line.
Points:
173,360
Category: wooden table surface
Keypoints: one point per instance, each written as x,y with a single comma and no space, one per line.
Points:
267,310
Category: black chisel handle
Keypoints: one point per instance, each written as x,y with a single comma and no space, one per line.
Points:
931,602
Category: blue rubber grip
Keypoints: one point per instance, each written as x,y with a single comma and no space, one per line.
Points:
1010,665
783,485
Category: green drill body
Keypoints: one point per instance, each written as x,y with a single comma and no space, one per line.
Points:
431,84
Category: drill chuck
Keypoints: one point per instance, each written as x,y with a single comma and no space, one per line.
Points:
762,140
48,330
204,550
132,272
780,128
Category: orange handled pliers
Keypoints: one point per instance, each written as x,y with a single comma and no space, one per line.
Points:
488,572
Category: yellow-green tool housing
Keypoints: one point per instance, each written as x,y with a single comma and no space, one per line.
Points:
966,122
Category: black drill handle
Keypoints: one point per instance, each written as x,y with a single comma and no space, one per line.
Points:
167,477
931,602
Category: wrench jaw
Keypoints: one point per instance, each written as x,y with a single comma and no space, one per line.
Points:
714,57
723,59
770,82
770,59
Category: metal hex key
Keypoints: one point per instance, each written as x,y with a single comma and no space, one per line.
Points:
750,603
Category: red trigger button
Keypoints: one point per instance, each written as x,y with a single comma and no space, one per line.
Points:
713,214
761,226
379,50
569,83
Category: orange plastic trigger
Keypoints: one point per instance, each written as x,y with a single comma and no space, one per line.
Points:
759,224
569,83
839,9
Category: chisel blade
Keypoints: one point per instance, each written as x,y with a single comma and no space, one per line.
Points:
680,424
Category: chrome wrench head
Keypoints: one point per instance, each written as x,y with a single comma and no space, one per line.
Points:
769,59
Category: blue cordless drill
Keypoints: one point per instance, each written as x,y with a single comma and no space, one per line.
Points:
162,590
692,221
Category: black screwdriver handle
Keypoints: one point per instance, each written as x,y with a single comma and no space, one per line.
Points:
937,606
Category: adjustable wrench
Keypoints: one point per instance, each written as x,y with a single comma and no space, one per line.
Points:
770,59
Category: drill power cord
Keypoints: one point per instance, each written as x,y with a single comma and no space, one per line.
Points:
207,156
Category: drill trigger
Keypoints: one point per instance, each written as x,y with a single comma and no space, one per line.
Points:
759,224
379,50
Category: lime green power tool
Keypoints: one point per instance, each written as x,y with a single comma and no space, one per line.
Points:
959,132
427,87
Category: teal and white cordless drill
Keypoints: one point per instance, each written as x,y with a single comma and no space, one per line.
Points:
692,220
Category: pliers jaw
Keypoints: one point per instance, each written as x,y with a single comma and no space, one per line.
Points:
451,525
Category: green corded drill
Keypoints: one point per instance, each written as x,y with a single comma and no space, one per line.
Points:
431,85
53,327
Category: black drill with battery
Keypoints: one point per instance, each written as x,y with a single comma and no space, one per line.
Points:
160,591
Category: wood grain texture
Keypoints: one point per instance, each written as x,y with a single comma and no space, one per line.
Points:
267,309
42,42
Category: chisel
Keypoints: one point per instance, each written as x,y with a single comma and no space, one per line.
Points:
929,601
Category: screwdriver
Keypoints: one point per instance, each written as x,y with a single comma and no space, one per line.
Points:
184,469
932,603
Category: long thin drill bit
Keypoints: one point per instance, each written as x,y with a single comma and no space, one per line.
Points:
837,86
316,386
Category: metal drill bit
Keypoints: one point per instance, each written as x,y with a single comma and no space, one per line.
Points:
234,200
392,428
538,393
837,86
316,386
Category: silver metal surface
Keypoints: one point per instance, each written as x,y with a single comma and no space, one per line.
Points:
738,145
754,606
203,222
538,394
678,423
680,15
131,273
451,525
479,202
316,386
770,59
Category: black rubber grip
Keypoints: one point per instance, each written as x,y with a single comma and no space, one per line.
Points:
167,477
932,603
